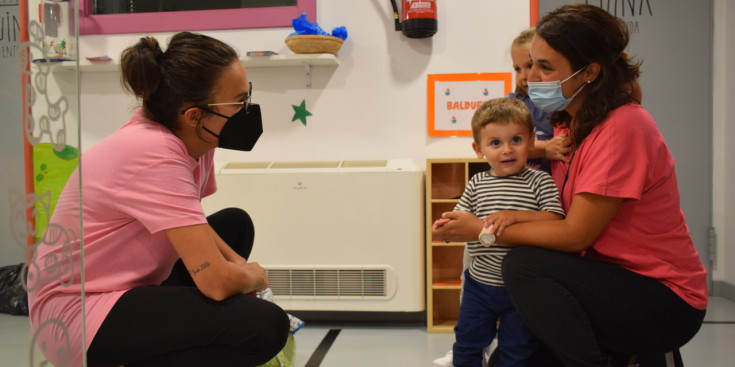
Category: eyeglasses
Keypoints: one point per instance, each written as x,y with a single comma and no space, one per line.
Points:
245,103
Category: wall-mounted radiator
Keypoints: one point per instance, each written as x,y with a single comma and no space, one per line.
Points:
333,235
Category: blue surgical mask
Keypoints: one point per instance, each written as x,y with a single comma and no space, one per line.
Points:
547,96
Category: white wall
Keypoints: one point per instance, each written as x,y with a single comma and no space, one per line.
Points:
370,106
373,104
724,133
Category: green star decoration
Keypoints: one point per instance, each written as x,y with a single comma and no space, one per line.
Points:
300,112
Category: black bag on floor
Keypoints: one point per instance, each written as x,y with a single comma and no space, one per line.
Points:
13,297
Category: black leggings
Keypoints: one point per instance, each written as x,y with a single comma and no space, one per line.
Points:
176,325
588,312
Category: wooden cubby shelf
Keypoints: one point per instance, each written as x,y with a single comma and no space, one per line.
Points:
446,179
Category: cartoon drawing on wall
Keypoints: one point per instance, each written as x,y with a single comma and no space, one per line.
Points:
51,170
300,112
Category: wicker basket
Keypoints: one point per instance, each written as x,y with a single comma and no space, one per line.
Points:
314,44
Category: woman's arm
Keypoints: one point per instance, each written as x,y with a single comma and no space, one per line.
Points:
227,251
504,218
215,276
588,215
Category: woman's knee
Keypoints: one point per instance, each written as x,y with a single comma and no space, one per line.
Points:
263,325
519,259
232,216
273,332
236,228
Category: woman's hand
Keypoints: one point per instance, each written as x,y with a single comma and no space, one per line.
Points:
499,220
257,278
457,226
557,147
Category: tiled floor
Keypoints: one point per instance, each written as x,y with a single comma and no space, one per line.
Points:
370,345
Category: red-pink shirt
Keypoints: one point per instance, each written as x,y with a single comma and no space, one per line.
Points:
136,183
626,157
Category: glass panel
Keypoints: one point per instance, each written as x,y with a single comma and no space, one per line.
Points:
38,151
14,329
148,6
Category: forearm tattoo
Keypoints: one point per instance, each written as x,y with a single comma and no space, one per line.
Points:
196,271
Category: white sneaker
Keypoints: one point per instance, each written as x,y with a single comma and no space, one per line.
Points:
445,361
488,351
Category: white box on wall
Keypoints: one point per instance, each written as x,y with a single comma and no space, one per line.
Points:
334,235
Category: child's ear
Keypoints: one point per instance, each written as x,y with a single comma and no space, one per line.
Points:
477,150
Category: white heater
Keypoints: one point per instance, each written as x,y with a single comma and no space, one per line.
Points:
333,235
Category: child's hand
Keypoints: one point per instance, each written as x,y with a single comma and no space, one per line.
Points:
557,147
499,220
438,223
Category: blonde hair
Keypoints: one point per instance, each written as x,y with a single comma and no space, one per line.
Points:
501,111
523,39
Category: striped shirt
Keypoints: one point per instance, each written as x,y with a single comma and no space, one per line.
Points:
529,190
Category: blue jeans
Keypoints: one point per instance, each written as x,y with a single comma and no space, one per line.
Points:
479,311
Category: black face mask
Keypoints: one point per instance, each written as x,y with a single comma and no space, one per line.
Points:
241,130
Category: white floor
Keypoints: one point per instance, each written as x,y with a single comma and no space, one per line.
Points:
369,345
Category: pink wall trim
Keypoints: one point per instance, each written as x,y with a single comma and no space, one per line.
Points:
192,20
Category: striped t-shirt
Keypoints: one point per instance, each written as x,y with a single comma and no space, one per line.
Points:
485,194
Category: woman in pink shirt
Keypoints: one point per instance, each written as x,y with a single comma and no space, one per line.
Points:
164,285
619,276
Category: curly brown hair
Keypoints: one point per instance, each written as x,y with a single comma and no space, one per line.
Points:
586,34
502,111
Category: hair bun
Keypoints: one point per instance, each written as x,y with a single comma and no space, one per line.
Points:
152,45
140,65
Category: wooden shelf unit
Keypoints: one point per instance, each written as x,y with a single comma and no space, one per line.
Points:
446,179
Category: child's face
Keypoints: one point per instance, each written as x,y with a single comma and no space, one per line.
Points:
521,64
506,147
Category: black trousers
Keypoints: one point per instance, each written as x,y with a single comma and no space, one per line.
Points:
589,313
176,325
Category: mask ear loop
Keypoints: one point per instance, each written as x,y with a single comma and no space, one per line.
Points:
579,90
199,121
572,76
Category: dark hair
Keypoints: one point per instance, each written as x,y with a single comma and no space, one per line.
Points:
586,34
185,73
503,111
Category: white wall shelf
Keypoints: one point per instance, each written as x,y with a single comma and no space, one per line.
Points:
305,60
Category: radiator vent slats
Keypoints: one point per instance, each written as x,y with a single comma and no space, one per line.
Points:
328,282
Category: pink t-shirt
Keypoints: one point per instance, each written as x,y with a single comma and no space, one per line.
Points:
626,157
136,183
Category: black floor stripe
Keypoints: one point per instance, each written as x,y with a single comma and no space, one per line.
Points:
323,348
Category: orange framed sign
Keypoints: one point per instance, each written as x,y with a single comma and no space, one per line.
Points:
452,99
